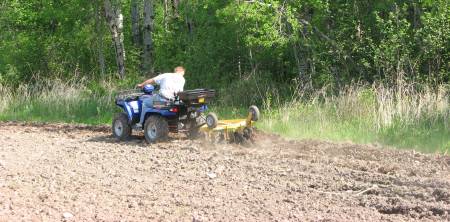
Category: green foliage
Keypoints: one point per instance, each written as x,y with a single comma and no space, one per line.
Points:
395,48
318,42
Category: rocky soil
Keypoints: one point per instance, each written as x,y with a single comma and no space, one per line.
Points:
54,172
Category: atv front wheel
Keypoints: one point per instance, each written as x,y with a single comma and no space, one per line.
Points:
156,128
120,127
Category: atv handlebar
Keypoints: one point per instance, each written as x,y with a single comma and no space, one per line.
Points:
122,95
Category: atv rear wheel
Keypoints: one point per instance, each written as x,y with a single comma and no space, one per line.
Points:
120,127
156,129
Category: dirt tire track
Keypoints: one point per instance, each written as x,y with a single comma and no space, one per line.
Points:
49,169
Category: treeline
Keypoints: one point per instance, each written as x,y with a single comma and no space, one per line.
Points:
310,43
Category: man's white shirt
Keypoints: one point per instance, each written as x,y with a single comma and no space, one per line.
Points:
170,84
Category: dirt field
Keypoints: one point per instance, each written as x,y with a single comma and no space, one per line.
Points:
77,173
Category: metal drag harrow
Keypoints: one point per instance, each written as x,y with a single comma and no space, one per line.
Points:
238,131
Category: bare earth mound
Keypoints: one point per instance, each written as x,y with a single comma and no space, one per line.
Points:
66,172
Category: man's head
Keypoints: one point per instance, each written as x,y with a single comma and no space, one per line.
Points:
179,70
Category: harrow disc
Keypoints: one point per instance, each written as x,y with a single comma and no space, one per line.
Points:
212,120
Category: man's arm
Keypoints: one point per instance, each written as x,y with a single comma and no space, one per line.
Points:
148,81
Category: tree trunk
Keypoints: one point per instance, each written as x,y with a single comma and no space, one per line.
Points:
148,40
99,38
165,15
114,18
417,14
175,4
135,22
189,22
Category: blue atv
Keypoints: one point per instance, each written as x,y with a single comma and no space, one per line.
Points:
184,113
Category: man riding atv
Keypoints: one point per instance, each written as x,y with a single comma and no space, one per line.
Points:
169,85
174,110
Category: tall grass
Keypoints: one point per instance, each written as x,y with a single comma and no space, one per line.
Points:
410,116
55,101
5,98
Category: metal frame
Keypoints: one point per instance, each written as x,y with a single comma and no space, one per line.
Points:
229,126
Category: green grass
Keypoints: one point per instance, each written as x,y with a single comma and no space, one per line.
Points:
56,102
415,119
91,111
404,117
424,135
302,121
318,122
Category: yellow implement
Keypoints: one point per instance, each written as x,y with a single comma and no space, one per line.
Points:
234,130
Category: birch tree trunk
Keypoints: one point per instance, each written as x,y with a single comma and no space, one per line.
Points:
135,22
114,18
148,40
175,4
99,38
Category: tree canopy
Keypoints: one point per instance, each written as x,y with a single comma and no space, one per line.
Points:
314,42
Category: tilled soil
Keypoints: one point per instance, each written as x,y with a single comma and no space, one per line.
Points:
51,172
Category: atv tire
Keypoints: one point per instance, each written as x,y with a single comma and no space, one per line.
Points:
121,129
156,129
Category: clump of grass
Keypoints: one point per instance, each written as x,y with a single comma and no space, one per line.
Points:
411,104
55,101
406,117
5,98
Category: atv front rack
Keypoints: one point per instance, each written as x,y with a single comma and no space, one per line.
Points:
129,94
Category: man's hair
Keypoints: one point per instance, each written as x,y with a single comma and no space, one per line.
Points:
179,68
